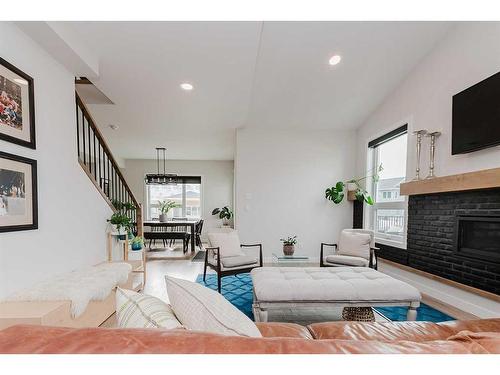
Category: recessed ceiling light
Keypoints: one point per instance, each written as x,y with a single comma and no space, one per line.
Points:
113,126
186,86
334,60
21,81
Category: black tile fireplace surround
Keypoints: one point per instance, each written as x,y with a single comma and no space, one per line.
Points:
454,235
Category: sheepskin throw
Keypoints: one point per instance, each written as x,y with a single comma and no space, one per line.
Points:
80,286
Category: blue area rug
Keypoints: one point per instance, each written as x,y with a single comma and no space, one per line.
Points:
424,313
238,290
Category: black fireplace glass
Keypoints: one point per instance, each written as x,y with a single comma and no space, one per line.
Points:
478,237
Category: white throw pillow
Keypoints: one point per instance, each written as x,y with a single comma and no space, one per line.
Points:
202,309
228,243
355,244
137,310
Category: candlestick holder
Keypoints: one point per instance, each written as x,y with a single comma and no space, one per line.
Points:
432,150
418,134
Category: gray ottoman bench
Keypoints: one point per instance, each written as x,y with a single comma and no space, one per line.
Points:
295,288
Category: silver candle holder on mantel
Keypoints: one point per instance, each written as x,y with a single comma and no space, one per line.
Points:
418,134
432,150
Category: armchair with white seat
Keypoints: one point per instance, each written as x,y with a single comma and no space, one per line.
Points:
356,248
225,256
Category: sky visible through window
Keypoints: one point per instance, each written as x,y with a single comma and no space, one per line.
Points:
392,155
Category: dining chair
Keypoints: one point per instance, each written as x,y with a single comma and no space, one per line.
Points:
179,228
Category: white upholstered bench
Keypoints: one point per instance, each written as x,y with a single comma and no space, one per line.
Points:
295,288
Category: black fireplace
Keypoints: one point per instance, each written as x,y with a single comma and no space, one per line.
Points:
478,237
455,235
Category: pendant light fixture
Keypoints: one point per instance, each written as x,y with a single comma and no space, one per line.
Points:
161,178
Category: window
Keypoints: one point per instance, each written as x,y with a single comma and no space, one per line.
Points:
387,217
187,193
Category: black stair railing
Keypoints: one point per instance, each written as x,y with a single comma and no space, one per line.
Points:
98,162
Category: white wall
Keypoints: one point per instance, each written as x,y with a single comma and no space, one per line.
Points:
72,214
467,55
281,177
217,182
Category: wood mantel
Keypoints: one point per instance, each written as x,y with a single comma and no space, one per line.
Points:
484,179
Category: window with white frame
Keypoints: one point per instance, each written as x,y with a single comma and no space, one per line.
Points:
389,211
186,193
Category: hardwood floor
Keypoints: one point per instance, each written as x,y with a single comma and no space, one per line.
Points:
157,268
155,283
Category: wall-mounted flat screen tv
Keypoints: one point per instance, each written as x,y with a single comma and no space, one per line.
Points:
476,117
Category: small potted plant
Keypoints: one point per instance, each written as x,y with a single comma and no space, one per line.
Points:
289,245
137,243
224,213
165,207
121,224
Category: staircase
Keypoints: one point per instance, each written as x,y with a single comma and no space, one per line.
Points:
98,162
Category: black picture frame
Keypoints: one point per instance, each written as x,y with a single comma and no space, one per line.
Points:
31,105
34,192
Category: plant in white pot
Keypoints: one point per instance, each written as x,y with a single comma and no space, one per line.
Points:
121,224
336,193
224,213
165,207
289,245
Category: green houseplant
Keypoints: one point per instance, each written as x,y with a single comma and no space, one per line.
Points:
289,245
224,213
121,219
165,207
122,206
336,193
121,222
137,243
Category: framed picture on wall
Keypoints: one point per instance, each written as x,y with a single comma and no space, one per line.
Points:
18,193
17,106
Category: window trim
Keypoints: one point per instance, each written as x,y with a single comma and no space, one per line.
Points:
372,161
388,136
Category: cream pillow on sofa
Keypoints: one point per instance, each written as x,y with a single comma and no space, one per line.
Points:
137,310
229,243
202,309
354,244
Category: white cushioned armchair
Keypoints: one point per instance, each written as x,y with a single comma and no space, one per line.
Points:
225,256
356,248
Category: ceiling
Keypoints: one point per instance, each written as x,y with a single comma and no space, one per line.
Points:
245,74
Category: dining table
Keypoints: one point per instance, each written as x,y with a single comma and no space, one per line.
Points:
175,223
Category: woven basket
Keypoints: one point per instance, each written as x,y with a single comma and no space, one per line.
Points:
358,314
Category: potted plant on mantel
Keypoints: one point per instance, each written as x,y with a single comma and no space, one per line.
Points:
165,207
224,213
336,193
289,245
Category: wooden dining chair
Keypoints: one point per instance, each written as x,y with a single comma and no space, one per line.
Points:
180,228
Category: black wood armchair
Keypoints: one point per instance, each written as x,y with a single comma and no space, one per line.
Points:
348,259
231,265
